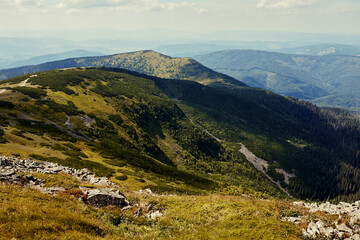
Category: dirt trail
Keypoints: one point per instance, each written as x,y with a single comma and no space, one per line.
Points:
22,84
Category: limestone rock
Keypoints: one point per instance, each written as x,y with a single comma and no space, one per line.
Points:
146,191
10,166
155,214
138,213
101,197
295,220
343,228
313,229
355,237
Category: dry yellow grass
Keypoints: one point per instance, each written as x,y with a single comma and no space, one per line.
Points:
29,214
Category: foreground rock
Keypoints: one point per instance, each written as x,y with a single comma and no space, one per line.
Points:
9,166
12,170
102,197
347,226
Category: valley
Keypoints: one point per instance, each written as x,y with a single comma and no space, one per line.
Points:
327,81
194,137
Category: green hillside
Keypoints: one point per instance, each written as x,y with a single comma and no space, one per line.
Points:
147,62
28,214
180,136
121,125
329,80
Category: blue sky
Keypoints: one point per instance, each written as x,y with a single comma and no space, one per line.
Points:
324,16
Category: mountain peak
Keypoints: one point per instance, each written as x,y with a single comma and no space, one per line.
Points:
146,61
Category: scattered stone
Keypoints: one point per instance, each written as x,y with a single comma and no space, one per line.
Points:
355,237
146,191
150,207
322,230
295,220
138,213
343,228
155,214
10,167
329,232
127,208
356,228
313,230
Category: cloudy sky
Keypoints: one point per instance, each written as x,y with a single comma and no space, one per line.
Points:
325,16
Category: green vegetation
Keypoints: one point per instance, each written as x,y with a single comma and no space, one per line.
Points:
127,132
161,134
265,122
28,214
31,92
172,136
146,62
6,104
330,80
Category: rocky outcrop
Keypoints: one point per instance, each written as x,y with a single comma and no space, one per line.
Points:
101,197
347,226
13,170
335,209
9,166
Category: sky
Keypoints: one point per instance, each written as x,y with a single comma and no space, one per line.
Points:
312,16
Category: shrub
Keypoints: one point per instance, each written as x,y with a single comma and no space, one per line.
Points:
122,177
6,104
31,92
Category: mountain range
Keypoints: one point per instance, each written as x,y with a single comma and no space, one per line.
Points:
328,80
47,58
323,49
148,62
180,129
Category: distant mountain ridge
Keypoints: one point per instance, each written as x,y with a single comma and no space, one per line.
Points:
323,49
147,62
328,80
50,57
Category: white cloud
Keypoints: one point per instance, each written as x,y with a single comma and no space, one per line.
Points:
201,10
137,5
285,3
75,6
28,3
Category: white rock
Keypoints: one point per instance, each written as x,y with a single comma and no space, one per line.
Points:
355,237
329,232
313,229
154,215
343,228
320,224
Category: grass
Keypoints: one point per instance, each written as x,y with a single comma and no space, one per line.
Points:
58,180
90,102
29,214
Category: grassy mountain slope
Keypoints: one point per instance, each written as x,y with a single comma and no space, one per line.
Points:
320,146
147,62
119,124
147,131
27,214
326,80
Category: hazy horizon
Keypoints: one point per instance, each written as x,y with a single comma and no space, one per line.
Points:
189,17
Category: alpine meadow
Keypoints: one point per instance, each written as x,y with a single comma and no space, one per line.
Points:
165,119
